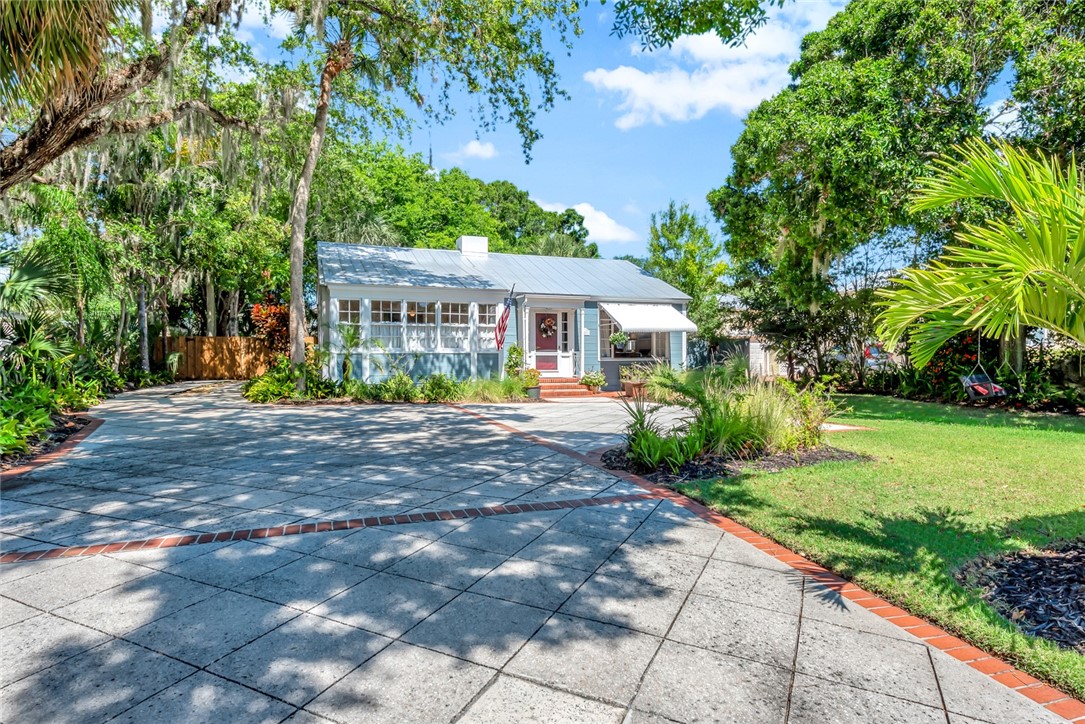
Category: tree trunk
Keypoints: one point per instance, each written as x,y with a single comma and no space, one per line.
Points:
81,320
339,58
164,304
211,311
233,299
122,324
144,349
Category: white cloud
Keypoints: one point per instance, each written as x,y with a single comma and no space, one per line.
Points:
1002,117
601,227
700,73
473,149
258,23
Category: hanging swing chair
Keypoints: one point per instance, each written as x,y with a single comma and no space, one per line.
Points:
980,386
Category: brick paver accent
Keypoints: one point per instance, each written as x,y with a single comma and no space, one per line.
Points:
318,527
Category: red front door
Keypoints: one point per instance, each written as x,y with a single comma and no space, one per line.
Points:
546,341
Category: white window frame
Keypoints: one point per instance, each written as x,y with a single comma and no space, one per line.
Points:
386,322
454,326
487,326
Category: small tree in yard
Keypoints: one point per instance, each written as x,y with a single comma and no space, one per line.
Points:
683,253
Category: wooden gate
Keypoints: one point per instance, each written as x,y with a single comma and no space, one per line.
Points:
219,358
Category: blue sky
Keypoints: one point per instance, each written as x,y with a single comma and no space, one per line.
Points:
640,128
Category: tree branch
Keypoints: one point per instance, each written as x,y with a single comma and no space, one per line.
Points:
169,115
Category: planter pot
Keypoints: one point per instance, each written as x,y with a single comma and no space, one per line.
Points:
533,393
594,389
633,388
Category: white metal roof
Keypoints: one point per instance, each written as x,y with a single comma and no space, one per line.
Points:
648,317
543,275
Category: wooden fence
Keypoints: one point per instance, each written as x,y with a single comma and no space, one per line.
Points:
219,358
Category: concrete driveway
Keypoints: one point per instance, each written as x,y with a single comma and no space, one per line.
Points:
532,587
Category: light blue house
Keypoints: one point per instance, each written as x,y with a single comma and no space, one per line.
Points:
431,310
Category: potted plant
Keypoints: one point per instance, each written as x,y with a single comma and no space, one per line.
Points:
619,339
594,380
530,379
633,378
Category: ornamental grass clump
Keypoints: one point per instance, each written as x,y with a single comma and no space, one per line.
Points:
729,416
493,390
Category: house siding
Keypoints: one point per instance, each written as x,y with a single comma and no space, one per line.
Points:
678,344
591,336
488,365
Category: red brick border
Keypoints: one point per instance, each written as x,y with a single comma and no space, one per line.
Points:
56,453
319,527
1050,698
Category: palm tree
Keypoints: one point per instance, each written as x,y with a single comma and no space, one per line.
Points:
559,245
52,44
31,287
1025,268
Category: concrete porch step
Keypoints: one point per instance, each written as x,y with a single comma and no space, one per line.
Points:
551,394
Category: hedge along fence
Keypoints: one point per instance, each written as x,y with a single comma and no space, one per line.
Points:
219,358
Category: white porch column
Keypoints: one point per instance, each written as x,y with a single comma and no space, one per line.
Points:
472,337
367,330
332,336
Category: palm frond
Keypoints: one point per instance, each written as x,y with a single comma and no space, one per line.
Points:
1027,268
51,45
34,280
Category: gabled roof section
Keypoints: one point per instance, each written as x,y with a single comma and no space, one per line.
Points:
439,268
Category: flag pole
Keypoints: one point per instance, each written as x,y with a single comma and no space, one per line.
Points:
502,355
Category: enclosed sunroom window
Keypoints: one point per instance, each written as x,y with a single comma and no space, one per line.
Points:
455,325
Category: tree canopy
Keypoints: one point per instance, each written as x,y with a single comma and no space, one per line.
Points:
829,163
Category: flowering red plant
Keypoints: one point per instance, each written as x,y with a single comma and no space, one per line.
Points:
272,322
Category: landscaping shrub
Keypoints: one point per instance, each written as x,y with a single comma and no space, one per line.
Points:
530,377
1051,378
278,383
359,391
398,388
514,360
440,388
272,323
595,378
769,412
25,414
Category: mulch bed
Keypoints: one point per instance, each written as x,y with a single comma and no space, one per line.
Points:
1042,592
716,466
64,427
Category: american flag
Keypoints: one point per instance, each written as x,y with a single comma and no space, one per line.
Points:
503,323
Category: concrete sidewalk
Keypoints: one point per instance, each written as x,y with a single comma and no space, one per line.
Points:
635,611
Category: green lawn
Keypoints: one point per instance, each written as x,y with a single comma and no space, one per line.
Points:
947,484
